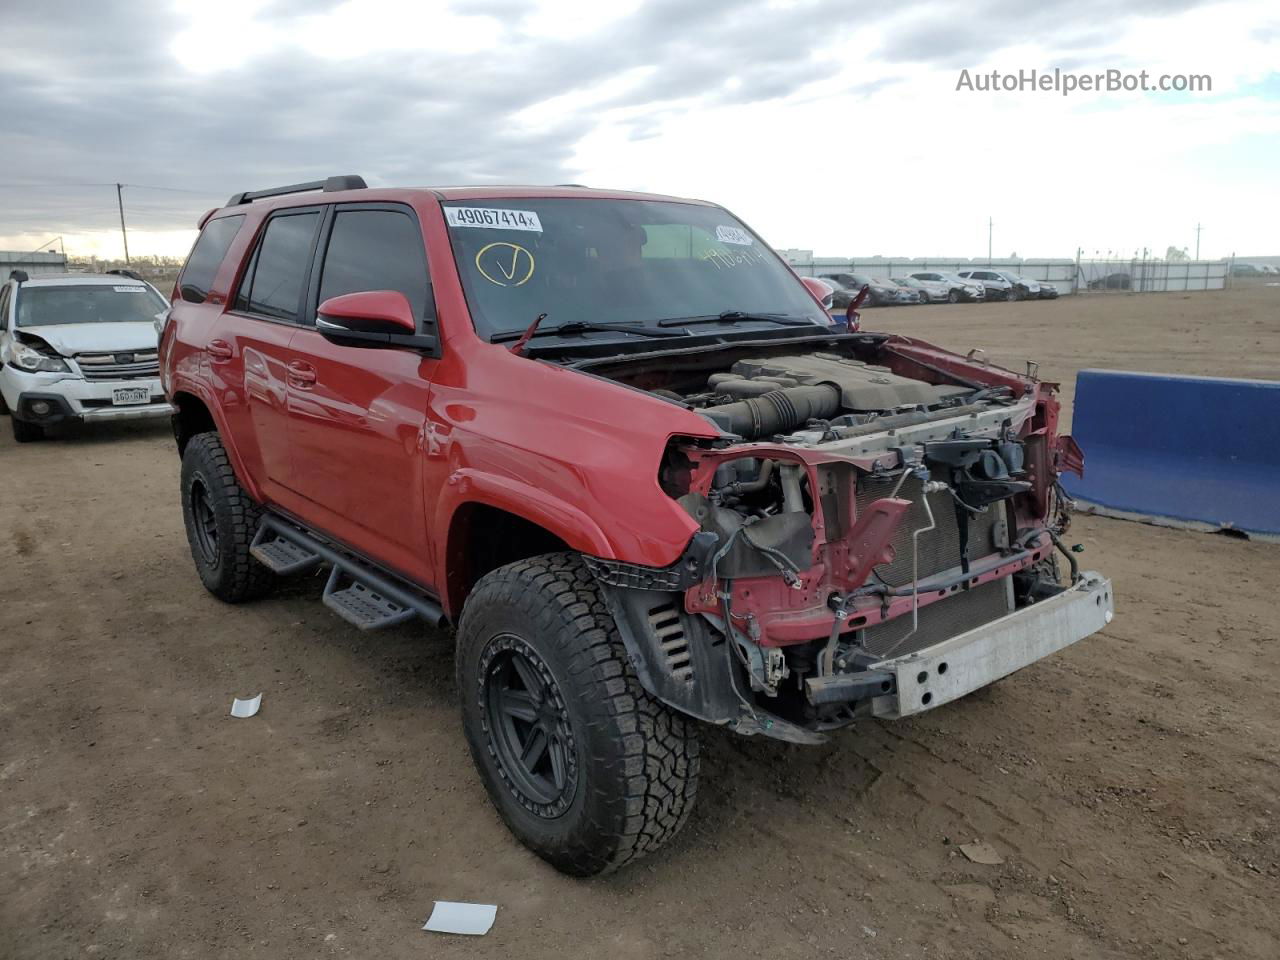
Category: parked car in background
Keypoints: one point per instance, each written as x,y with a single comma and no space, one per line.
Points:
78,347
1112,281
996,286
1024,288
882,293
841,295
959,288
930,291
1048,291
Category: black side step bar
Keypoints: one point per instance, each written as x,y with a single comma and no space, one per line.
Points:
372,600
280,556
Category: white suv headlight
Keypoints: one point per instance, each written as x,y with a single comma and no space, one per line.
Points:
33,361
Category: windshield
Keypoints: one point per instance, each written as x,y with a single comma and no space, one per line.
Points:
87,303
587,260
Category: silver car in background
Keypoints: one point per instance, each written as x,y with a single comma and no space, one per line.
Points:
958,288
997,286
930,291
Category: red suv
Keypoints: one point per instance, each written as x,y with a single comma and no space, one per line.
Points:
615,441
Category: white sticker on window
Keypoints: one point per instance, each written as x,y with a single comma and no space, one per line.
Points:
493,218
734,235
129,289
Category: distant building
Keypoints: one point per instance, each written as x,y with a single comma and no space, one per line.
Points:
32,263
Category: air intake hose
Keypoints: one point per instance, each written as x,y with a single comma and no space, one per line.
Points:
776,412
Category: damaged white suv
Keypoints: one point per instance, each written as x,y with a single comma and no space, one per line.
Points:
78,347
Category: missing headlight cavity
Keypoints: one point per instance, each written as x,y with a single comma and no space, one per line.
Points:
760,510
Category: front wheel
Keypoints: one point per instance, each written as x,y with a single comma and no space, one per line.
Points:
587,769
953,296
221,521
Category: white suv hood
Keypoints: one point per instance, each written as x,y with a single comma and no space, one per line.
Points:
72,338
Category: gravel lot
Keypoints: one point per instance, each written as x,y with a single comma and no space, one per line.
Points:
1131,784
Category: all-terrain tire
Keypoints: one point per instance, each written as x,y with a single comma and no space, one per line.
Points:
221,521
25,432
628,763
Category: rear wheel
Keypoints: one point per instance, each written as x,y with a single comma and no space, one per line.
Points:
587,769
25,432
221,521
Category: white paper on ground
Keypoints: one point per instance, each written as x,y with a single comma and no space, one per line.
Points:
246,708
470,918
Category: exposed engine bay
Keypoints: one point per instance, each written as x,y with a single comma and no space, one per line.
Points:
863,501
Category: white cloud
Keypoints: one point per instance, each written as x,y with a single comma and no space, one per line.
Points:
843,134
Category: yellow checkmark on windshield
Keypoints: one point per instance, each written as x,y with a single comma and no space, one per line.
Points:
505,264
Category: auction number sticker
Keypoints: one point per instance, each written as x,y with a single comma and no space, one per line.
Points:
493,218
734,235
129,289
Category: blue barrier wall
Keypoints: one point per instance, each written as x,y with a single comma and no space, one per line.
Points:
1196,450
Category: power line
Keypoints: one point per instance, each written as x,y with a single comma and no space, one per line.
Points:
213,191
201,193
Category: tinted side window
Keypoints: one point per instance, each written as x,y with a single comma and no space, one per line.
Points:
376,250
206,256
274,282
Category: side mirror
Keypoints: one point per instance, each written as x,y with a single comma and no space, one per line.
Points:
822,291
372,318
375,311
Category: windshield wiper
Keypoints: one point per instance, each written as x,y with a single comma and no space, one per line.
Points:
575,326
733,316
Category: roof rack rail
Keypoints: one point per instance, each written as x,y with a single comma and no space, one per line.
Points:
122,272
346,182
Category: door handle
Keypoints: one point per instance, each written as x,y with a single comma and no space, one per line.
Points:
220,350
301,374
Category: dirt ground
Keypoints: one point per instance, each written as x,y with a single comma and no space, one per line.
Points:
1131,783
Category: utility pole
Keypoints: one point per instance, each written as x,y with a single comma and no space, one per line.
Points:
123,232
1198,229
989,241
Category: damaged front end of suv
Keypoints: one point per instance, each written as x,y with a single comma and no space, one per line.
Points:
879,526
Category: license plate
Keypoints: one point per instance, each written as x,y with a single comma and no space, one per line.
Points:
124,396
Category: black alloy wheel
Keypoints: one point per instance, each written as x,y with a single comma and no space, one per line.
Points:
528,726
204,527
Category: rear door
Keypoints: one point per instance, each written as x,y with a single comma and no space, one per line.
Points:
357,414
249,349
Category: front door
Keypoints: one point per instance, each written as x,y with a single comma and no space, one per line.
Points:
357,414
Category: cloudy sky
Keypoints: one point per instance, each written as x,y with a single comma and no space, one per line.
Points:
826,125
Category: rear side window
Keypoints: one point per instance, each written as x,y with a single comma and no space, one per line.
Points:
376,250
274,282
206,256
